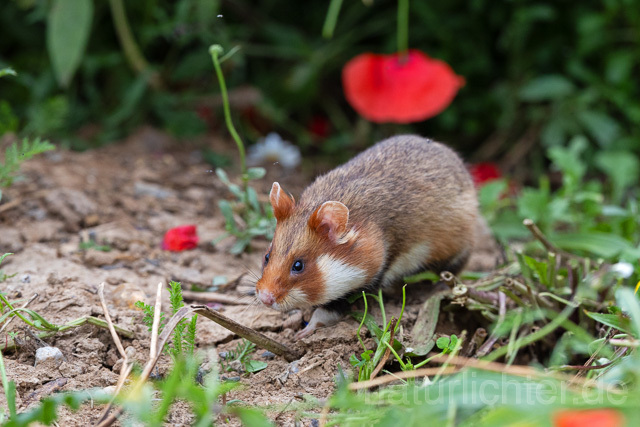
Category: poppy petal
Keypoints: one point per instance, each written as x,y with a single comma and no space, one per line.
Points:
602,417
390,88
180,238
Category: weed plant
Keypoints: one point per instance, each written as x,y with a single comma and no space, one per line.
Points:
245,218
184,334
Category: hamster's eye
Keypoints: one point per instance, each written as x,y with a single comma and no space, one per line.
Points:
297,266
266,259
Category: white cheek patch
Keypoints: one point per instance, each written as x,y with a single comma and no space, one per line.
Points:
296,298
407,263
339,277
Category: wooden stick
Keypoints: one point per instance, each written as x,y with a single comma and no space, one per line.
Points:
252,335
217,297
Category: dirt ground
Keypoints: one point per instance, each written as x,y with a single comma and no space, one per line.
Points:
126,196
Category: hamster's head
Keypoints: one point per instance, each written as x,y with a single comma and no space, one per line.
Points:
313,258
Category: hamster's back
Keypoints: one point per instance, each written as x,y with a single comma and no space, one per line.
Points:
417,191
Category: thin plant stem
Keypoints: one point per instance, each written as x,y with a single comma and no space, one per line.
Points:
215,50
403,28
364,316
125,36
538,335
384,315
332,18
8,390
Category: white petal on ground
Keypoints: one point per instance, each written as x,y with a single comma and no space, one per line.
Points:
273,149
622,269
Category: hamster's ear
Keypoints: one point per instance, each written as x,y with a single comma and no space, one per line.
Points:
281,202
330,220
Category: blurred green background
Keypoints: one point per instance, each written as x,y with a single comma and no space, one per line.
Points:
537,73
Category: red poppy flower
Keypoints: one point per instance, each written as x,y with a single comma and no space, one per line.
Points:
399,89
588,417
180,238
484,172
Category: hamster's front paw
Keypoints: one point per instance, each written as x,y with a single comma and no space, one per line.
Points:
320,318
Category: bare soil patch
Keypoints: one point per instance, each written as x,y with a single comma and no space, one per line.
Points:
126,196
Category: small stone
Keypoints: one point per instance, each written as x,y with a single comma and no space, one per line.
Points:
293,367
49,356
91,220
42,231
25,278
110,390
223,354
268,355
146,189
130,351
96,258
127,294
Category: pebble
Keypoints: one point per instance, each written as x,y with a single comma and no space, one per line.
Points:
268,355
49,355
25,278
110,390
146,189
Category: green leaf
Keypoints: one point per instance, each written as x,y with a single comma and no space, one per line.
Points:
239,246
443,343
255,366
227,213
539,267
222,175
421,277
252,197
353,360
533,204
7,72
372,326
620,66
602,127
606,245
424,329
569,160
490,192
628,302
251,417
616,321
453,343
545,88
621,166
68,28
256,173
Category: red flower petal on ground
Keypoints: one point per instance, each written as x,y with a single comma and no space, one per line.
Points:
391,88
180,238
588,417
484,172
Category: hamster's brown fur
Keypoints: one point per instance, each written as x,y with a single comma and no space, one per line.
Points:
405,205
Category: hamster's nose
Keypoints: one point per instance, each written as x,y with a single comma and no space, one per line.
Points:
267,298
